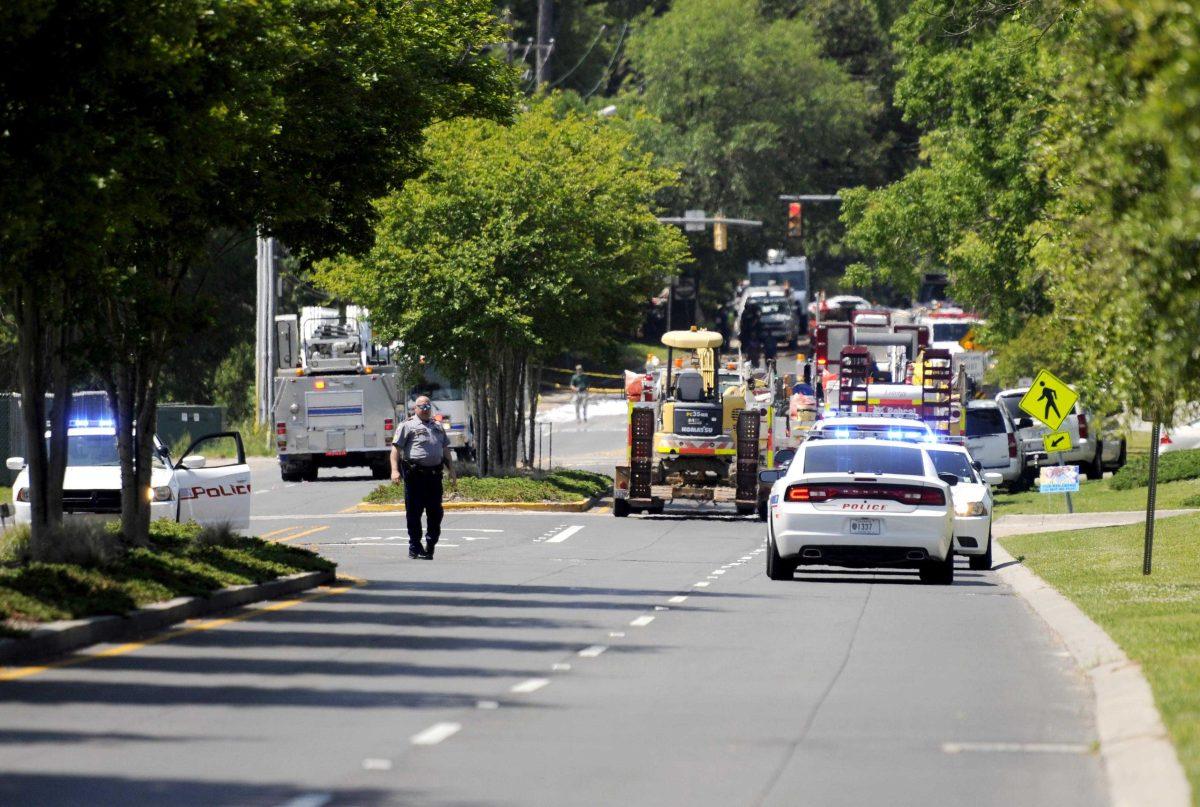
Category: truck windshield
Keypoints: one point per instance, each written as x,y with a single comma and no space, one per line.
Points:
774,306
436,386
844,458
951,331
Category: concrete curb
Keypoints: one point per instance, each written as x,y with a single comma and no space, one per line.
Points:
1140,762
58,638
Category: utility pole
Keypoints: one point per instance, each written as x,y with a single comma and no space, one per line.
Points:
264,344
541,61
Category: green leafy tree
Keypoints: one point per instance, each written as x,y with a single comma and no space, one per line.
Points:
979,84
519,242
751,108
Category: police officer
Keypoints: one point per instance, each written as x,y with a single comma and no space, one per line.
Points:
420,452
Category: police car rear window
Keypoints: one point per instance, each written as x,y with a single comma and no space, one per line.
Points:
984,421
863,459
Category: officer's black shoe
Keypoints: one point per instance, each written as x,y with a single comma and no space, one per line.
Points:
429,551
417,553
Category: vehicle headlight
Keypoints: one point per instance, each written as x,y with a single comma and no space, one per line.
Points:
970,509
22,495
162,493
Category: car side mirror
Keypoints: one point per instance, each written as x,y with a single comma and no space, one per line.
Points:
769,477
194,462
993,478
15,463
977,465
949,479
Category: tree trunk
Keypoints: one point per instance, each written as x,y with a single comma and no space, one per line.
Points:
132,395
41,360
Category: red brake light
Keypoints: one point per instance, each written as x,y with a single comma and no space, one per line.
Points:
1012,446
388,423
904,494
281,428
1083,429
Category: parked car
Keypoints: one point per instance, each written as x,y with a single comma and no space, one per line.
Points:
972,496
190,489
861,503
1093,454
1180,438
992,440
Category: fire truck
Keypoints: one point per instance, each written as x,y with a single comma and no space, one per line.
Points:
338,397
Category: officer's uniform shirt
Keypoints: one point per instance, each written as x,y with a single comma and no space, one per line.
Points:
422,443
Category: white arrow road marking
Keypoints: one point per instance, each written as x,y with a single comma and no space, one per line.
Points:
530,685
564,534
436,733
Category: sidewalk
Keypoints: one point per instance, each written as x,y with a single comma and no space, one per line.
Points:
1056,522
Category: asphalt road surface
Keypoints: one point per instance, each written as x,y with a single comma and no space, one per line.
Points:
562,659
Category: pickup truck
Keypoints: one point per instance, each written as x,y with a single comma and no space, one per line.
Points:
1092,452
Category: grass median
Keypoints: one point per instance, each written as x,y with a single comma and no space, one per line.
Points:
1155,619
554,487
182,560
1097,497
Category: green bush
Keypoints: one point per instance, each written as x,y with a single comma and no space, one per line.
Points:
182,560
556,486
1172,467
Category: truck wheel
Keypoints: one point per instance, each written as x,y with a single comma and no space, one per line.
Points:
1095,468
762,511
289,473
309,473
1021,484
381,472
621,508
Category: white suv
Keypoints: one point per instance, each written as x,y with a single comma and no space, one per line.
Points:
861,503
992,441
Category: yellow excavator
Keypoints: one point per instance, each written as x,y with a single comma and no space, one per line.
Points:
695,441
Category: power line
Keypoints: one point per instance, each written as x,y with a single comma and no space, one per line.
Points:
582,59
616,51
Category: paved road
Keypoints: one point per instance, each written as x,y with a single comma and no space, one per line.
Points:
565,659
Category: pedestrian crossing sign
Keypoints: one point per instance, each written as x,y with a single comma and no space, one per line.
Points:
1057,442
1049,400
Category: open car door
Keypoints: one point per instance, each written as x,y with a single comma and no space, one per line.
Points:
215,488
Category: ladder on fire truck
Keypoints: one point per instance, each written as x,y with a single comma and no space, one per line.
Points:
854,374
937,386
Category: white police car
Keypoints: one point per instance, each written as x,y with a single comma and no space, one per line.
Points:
861,503
190,489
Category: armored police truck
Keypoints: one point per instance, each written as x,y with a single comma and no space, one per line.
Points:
338,397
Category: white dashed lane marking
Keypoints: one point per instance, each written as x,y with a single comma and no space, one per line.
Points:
530,685
593,651
641,622
309,800
701,584
678,599
377,764
436,733
1016,748
563,535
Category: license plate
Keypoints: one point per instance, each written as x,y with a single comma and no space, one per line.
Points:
864,526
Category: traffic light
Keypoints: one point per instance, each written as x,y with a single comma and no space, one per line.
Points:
795,224
720,235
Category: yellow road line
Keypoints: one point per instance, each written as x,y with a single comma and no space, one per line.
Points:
276,532
301,534
15,673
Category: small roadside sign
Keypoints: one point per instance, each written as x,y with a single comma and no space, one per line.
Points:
696,226
1059,479
1049,399
1057,442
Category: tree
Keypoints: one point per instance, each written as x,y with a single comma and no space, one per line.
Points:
517,243
980,87
751,109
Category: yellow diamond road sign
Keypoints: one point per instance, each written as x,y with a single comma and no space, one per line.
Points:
1057,442
1049,399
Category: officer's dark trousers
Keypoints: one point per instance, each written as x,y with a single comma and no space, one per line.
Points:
423,494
